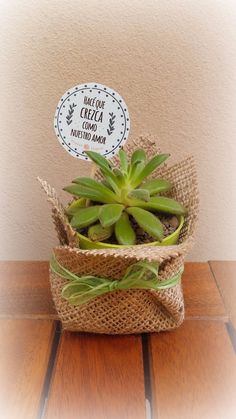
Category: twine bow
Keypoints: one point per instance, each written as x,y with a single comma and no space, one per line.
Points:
140,275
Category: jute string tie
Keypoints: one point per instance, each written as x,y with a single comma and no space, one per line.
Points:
140,275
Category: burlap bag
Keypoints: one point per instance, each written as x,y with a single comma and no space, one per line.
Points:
127,311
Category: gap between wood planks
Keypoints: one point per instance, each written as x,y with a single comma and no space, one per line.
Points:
146,362
52,364
224,276
147,376
145,338
49,371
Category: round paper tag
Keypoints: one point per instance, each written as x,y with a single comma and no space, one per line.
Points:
91,117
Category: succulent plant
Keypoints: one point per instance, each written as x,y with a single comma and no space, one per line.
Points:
107,207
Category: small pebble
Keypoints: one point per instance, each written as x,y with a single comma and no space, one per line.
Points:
173,221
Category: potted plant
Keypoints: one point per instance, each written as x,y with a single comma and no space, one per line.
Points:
124,208
123,241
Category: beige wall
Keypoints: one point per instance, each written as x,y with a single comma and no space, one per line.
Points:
174,62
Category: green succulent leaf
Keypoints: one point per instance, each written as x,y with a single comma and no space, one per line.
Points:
110,213
118,172
113,181
138,156
123,161
124,232
106,183
147,221
156,186
96,187
98,233
135,170
142,194
98,159
84,192
75,205
164,204
124,191
120,177
148,169
85,216
103,164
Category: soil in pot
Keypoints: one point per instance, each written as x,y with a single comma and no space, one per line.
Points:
170,224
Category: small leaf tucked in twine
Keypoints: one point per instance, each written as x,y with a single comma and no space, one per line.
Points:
140,275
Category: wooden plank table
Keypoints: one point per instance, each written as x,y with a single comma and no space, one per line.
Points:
187,373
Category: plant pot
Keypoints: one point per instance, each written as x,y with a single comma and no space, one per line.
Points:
128,310
86,243
120,311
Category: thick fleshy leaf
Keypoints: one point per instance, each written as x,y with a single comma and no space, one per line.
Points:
138,156
142,194
117,172
102,163
85,216
148,169
75,205
99,160
123,161
135,170
110,213
156,186
164,204
113,182
84,192
147,221
123,231
98,233
106,183
96,186
120,177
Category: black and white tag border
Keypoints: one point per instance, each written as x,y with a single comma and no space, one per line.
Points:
90,87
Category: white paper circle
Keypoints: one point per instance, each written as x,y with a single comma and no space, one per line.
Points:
92,117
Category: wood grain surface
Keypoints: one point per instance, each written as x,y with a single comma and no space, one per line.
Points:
225,275
25,291
193,372
202,297
25,347
97,377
